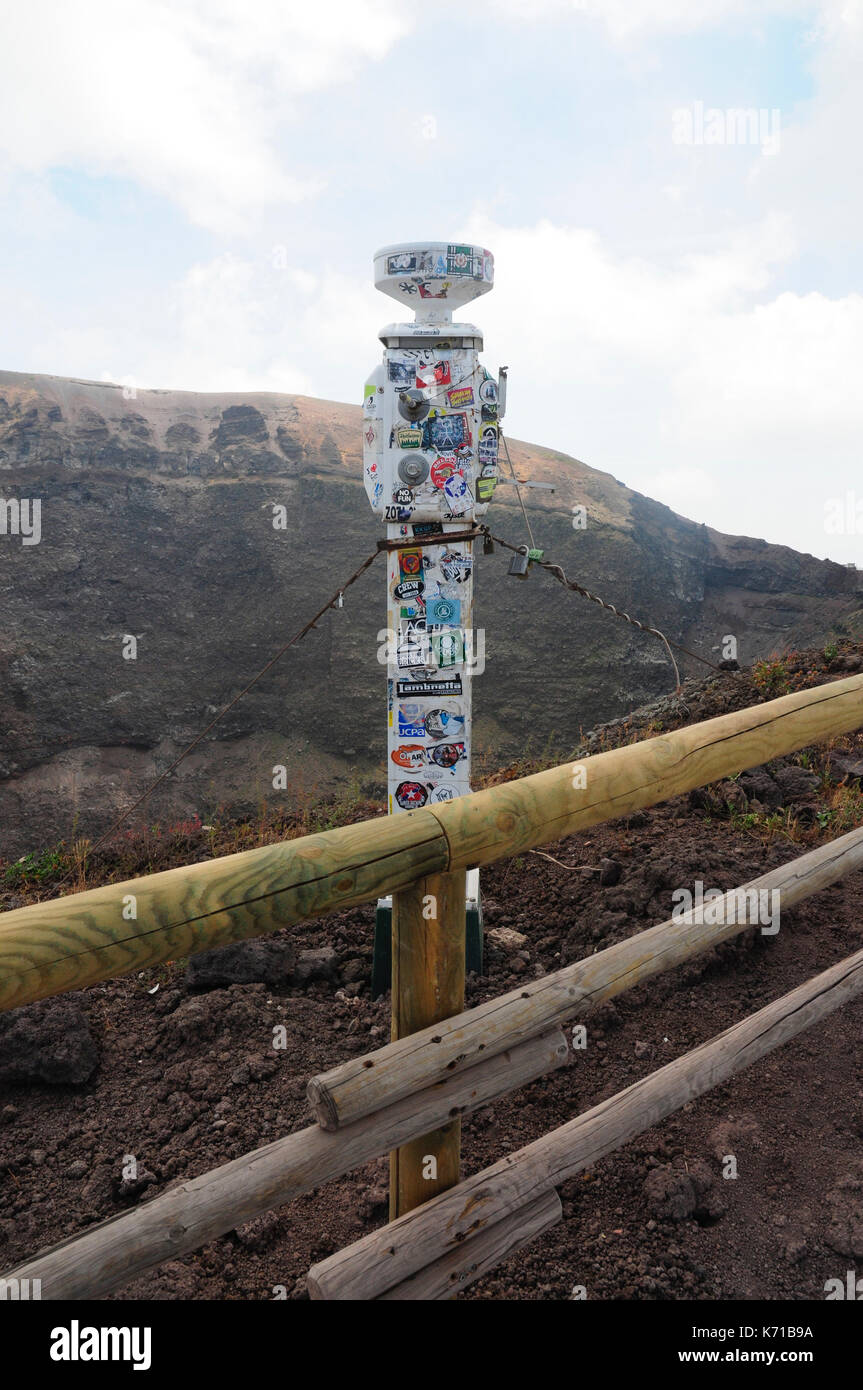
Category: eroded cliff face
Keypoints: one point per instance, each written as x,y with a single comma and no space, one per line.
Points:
157,523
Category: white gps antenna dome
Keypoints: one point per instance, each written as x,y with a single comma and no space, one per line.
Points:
433,277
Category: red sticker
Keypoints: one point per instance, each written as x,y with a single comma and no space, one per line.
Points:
410,795
410,756
435,374
443,468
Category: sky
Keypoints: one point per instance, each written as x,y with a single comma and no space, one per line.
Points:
191,193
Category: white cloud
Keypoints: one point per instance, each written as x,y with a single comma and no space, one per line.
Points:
231,327
184,96
817,175
693,370
689,491
690,382
625,19
240,324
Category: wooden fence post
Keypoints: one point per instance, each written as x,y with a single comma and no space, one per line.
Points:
428,986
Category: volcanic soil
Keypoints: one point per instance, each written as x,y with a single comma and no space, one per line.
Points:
184,1076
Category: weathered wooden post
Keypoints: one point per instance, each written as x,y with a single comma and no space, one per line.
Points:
430,454
428,986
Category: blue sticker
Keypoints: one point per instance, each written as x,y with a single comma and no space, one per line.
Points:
439,723
411,730
455,487
410,722
443,612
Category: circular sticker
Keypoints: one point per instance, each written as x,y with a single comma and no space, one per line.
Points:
488,391
445,610
443,468
443,793
438,721
410,795
447,754
409,588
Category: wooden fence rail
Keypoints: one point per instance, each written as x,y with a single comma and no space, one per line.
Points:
362,1085
114,1252
396,1253
459,1268
426,1081
48,948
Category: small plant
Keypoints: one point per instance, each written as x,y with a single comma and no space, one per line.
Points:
766,824
36,868
831,651
845,807
80,850
771,677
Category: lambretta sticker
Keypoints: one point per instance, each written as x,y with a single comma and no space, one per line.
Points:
409,688
77,1343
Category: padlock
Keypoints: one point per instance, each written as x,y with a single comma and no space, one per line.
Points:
487,544
519,563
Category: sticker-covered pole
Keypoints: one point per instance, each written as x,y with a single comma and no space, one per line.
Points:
430,436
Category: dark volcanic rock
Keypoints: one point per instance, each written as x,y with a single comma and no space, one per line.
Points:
46,1042
670,1194
157,521
673,1194
246,963
241,424
795,783
760,786
319,963
845,1230
844,766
